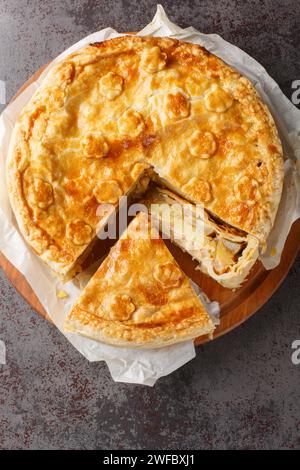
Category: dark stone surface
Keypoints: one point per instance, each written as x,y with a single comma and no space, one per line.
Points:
242,390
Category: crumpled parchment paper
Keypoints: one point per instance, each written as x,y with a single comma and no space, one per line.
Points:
145,367
2,352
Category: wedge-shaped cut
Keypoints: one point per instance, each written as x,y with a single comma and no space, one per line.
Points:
139,297
224,253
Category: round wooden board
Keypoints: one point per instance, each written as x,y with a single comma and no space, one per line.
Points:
236,306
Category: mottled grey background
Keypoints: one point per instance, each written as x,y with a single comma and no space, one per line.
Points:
242,390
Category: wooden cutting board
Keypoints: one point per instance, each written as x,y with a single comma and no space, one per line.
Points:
236,306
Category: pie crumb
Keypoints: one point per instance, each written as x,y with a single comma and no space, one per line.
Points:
273,251
61,294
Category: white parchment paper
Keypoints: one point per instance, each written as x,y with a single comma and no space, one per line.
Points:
145,367
2,352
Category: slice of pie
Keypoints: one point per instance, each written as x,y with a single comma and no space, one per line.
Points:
224,253
114,113
139,297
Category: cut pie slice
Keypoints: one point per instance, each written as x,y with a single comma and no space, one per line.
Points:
139,297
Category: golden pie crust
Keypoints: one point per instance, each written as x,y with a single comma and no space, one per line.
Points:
139,297
112,110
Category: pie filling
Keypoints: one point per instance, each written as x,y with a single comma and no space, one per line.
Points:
223,252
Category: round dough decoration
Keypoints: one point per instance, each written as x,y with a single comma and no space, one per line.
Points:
111,85
131,123
177,106
79,232
108,191
121,307
153,59
168,274
40,194
218,100
94,146
247,189
196,86
203,144
199,189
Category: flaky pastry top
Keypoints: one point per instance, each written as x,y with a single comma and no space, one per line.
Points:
139,297
112,110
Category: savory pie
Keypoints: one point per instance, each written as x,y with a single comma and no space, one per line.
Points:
139,297
115,114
